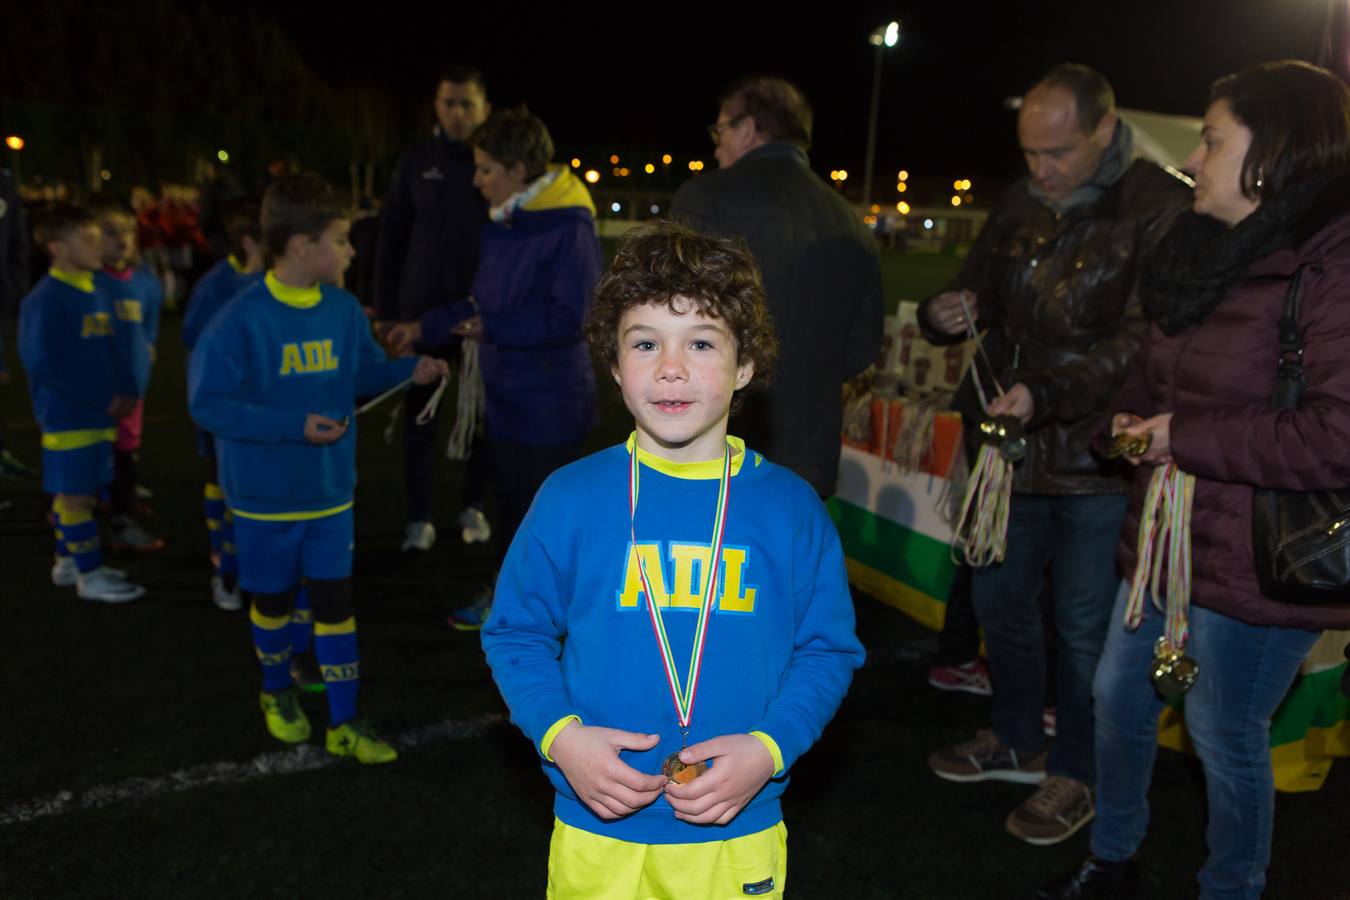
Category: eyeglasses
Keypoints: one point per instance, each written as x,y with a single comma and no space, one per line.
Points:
715,129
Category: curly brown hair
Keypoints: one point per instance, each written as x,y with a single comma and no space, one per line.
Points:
662,262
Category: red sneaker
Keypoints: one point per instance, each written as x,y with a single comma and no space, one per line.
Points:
971,677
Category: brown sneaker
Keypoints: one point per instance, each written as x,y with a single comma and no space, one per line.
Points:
1059,807
986,759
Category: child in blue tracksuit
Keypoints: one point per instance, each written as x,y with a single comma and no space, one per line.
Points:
137,299
274,379
668,760
80,386
242,268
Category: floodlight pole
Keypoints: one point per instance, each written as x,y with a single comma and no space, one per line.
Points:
885,36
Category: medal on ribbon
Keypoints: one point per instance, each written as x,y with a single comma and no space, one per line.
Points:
683,695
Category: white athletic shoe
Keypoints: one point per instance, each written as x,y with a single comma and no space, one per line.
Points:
65,573
230,601
474,527
107,588
419,536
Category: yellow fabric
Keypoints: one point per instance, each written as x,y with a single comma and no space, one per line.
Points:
235,263
585,866
346,626
267,623
213,492
303,616
546,743
302,516
298,297
703,469
70,514
774,751
80,281
77,440
566,190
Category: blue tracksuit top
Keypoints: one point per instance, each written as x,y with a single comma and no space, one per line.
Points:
66,341
570,634
209,296
263,365
137,299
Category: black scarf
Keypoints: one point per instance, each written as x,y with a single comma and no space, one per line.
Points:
1200,257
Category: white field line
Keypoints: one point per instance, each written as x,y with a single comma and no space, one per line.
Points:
301,758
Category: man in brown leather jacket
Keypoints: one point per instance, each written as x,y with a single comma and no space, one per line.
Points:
1051,281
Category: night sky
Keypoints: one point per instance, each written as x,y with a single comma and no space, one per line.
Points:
642,79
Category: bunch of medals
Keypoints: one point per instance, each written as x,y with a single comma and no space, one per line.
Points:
1126,444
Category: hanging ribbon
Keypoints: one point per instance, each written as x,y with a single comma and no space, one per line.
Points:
981,536
471,401
683,696
1164,543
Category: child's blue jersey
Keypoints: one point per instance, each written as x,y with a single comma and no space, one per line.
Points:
67,334
269,359
137,300
212,291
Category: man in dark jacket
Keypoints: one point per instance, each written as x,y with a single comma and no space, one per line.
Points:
426,256
822,277
1051,281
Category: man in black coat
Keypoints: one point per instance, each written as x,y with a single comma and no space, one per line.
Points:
426,256
822,277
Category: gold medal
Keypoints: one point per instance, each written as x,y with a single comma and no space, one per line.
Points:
679,773
1173,672
1126,444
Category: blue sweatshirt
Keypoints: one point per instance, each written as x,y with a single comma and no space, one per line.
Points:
212,291
569,632
266,362
66,341
137,299
535,281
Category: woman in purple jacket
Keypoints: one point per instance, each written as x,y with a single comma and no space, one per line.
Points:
539,264
1272,195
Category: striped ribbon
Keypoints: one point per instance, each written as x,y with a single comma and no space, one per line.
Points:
683,696
982,528
1164,543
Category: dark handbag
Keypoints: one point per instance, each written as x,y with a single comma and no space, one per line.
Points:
1301,539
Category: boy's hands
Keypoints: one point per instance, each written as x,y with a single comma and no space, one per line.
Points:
320,429
429,369
741,766
589,758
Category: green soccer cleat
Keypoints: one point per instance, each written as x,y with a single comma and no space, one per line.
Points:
357,738
285,719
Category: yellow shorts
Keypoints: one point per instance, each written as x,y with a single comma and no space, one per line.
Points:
586,866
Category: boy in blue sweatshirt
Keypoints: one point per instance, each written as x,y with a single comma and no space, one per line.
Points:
222,282
137,299
80,386
670,679
274,379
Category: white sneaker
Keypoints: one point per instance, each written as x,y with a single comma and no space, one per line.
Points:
106,588
419,536
474,526
65,573
230,601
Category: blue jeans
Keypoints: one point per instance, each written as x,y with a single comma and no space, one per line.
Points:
1075,537
1245,671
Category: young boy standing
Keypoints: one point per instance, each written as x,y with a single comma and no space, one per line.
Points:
668,727
137,299
274,379
222,282
80,387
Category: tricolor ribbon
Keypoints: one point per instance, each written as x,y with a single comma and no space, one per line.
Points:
683,696
1164,542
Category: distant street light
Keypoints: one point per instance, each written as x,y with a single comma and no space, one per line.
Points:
592,176
14,142
887,35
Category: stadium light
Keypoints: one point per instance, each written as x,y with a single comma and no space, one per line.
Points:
14,142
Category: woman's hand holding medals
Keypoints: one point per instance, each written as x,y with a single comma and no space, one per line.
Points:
741,765
589,759
1139,440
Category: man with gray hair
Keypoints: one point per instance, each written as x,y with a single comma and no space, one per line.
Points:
1051,281
822,277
